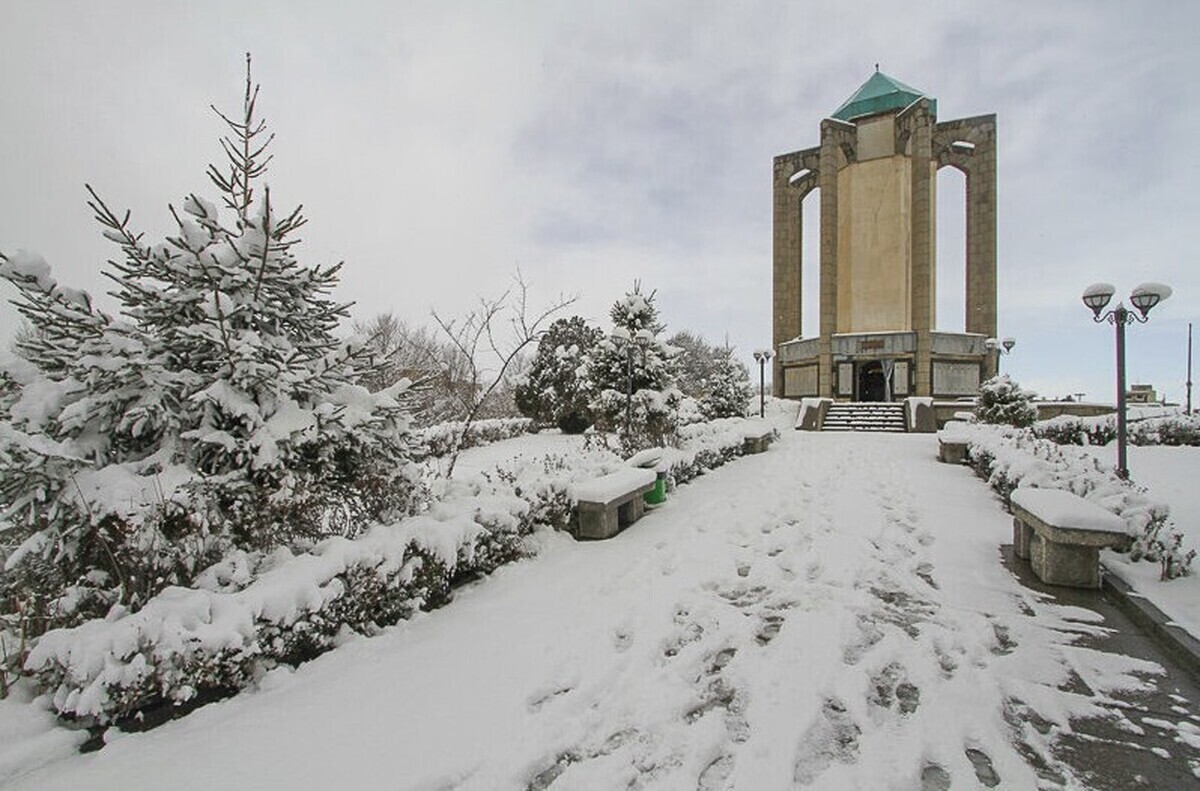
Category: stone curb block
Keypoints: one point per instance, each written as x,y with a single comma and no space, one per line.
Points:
1175,640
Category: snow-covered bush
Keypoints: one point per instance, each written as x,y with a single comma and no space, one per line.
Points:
256,611
706,446
439,440
1009,458
555,390
1179,429
711,375
1072,430
729,390
188,642
219,408
1001,400
635,359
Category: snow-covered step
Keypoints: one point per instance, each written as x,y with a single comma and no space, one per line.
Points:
864,417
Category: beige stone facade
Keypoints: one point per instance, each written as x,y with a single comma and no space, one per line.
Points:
876,172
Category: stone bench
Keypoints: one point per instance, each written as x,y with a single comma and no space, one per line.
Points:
757,440
611,502
952,446
1061,534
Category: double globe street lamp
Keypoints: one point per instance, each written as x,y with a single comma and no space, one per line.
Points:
1144,297
1000,346
762,356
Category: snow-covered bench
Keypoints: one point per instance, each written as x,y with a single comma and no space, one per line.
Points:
757,438
612,501
1061,534
952,444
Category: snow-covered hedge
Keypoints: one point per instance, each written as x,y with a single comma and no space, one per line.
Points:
1178,429
187,642
255,612
439,440
706,446
1009,458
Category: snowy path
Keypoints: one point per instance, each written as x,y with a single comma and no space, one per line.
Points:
830,614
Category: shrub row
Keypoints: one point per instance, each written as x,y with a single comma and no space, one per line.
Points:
1009,458
439,440
1179,429
256,613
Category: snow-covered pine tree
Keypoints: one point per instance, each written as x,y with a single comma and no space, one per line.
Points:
729,388
694,364
555,389
1001,400
635,359
219,409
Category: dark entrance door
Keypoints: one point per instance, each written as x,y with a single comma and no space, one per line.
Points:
872,386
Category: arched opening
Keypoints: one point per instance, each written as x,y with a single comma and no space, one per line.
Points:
810,275
951,247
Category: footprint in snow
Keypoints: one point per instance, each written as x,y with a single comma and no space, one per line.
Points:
771,624
715,776
984,771
1004,643
890,686
935,778
833,737
537,701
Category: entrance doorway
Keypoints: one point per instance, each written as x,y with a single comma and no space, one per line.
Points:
872,384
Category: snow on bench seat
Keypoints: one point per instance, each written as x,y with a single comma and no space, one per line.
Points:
610,502
953,443
757,436
1061,534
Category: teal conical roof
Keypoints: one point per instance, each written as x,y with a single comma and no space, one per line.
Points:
879,94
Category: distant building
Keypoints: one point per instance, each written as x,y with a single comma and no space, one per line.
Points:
1141,394
876,170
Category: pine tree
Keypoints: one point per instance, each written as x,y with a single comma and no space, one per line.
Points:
729,389
555,389
221,392
1001,400
633,375
694,364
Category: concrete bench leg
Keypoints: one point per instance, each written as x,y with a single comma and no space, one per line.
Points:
630,512
1022,536
597,521
1064,564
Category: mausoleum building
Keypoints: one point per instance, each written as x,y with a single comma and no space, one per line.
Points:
876,174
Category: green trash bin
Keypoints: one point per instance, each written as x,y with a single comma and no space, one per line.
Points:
658,494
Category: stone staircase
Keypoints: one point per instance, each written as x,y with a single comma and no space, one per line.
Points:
864,416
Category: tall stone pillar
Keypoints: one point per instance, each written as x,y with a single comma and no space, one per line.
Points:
923,209
827,180
788,263
981,232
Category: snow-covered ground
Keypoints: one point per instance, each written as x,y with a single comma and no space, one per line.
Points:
1170,475
833,613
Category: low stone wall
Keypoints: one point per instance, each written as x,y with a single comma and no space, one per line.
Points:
944,411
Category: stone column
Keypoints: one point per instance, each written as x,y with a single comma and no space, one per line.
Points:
922,244
788,264
827,182
981,231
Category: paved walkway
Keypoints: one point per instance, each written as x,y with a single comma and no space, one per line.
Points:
835,613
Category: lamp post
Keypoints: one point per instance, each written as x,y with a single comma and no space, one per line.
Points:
1144,297
762,356
1000,346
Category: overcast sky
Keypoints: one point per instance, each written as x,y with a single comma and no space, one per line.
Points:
439,146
